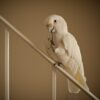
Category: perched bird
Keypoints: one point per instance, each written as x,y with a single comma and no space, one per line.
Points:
66,51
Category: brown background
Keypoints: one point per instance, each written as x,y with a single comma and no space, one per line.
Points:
30,75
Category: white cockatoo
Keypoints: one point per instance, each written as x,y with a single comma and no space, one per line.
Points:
67,51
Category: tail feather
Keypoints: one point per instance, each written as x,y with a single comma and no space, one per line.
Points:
72,88
81,79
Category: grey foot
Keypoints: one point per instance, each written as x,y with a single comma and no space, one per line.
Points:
57,63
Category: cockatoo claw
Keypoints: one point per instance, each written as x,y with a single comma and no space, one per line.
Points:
57,63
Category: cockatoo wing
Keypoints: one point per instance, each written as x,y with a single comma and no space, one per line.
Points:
75,64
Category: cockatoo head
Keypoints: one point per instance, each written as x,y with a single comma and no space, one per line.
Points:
56,24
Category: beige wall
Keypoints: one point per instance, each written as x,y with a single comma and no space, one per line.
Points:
30,75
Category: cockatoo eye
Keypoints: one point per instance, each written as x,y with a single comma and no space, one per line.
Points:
55,21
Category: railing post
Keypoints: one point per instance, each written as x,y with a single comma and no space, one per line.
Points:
53,83
6,65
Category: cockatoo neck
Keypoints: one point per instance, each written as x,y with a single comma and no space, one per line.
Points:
61,31
61,28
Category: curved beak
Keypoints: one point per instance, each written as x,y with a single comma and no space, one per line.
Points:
51,28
